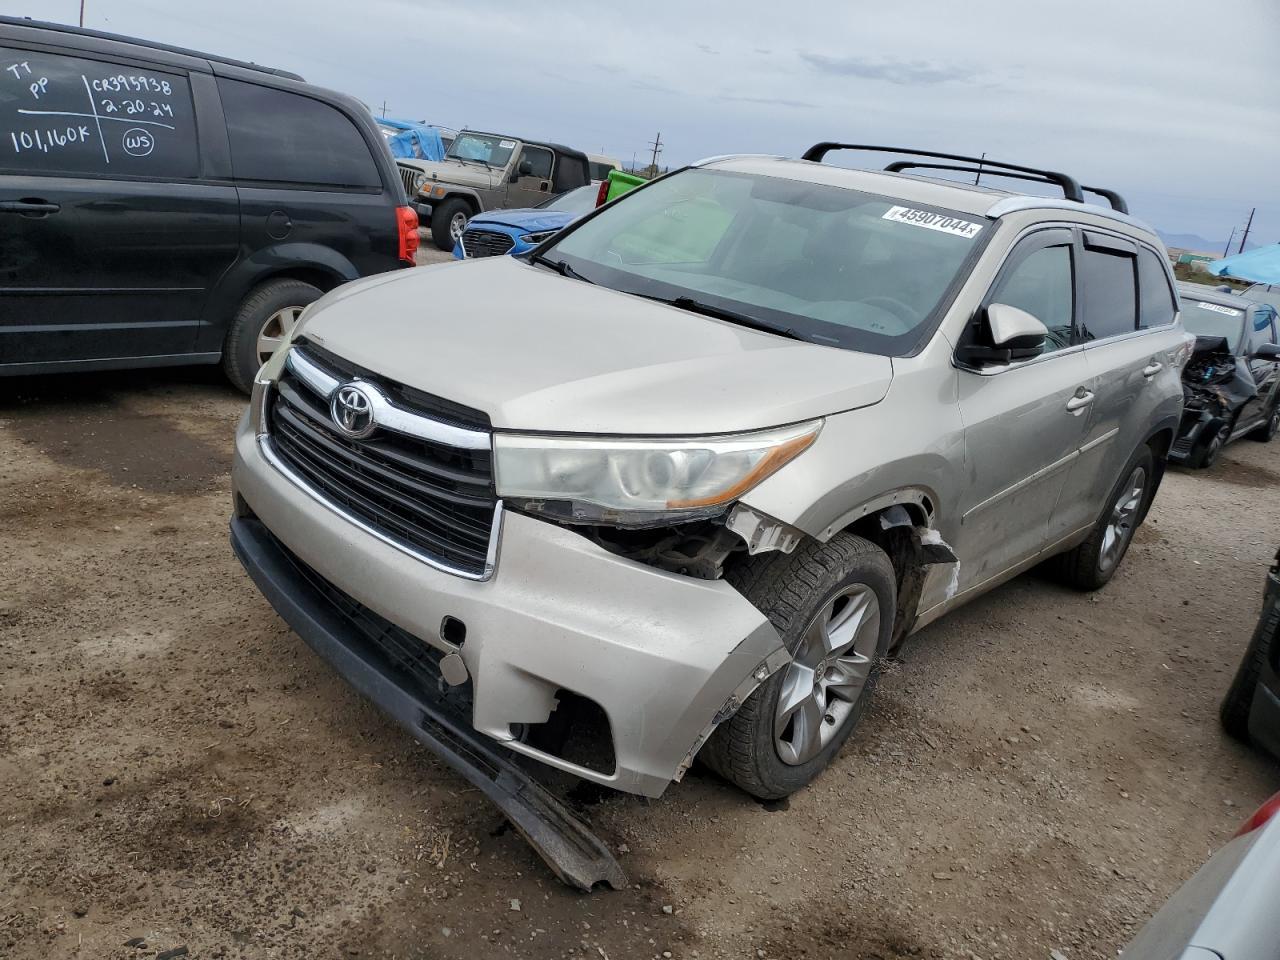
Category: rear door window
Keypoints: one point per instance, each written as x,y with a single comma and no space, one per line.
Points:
1108,293
1156,305
64,115
282,137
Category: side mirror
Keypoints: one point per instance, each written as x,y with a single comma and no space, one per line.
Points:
1267,351
1005,334
526,168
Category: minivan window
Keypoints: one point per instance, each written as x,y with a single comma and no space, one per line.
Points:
69,115
1108,294
867,272
282,137
1041,285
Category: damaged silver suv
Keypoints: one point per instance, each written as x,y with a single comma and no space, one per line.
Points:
674,485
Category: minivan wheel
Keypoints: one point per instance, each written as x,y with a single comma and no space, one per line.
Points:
833,605
1094,562
265,318
448,220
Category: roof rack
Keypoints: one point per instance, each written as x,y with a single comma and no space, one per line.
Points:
152,44
1116,201
1071,188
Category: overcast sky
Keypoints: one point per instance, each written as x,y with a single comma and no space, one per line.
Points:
1174,103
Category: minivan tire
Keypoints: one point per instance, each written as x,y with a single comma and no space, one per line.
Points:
1082,567
442,215
798,592
240,356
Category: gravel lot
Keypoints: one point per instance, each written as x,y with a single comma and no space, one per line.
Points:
1039,772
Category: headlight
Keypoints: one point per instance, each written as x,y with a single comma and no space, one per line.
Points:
418,180
539,236
640,482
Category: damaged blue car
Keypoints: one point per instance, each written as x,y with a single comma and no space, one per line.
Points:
518,231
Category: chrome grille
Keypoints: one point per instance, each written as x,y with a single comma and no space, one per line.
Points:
485,243
405,483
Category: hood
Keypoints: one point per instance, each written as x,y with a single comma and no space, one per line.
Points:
455,171
526,221
537,351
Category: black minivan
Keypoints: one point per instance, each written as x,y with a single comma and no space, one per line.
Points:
161,206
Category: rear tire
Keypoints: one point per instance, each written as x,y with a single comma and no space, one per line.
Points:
1094,562
448,220
1236,705
265,318
832,603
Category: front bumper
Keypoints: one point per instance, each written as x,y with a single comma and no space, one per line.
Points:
666,657
1197,428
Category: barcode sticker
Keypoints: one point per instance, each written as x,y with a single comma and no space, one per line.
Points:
1218,308
934,221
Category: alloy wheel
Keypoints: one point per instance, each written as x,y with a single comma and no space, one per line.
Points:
1123,519
278,326
457,224
826,678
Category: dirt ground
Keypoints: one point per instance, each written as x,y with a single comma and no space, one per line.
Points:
1038,773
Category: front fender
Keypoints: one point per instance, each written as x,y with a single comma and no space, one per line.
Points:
454,191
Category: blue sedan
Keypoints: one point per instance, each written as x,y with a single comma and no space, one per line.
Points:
517,231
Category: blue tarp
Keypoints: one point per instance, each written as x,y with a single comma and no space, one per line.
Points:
414,141
1260,266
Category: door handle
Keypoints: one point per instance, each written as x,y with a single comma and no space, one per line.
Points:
1081,400
1151,369
29,208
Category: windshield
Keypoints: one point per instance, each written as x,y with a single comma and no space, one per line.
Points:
1206,319
824,263
578,201
494,151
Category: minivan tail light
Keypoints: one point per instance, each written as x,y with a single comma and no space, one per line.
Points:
1260,816
603,193
407,218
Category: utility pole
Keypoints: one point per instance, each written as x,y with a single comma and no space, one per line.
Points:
978,175
1227,249
1246,230
384,108
657,149
82,13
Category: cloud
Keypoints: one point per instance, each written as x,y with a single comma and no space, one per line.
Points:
706,49
768,101
901,72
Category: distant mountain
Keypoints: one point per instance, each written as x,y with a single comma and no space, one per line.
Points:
1198,244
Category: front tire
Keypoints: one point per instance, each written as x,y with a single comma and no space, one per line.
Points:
833,605
1094,562
448,220
1207,455
1268,430
265,318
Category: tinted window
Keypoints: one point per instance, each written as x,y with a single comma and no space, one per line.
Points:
1109,295
286,138
1041,285
535,162
74,116
600,171
1262,328
1156,304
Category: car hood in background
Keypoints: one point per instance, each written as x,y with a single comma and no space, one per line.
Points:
537,351
455,171
526,221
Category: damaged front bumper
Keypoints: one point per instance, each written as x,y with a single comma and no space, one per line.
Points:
664,656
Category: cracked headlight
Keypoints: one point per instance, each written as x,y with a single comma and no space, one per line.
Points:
640,482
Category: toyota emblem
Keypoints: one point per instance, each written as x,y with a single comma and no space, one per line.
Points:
352,411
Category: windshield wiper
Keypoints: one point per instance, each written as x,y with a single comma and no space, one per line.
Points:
732,316
560,267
